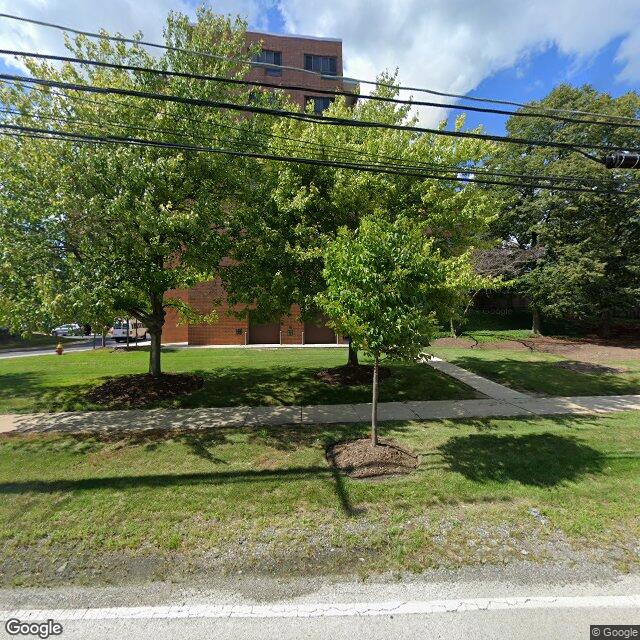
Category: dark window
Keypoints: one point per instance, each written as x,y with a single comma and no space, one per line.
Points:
267,56
327,65
320,103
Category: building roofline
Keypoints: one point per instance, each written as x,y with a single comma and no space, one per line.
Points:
293,35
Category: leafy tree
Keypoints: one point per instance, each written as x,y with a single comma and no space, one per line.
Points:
581,250
279,240
120,222
387,283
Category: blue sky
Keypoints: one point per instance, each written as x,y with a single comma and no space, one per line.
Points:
535,77
497,48
532,77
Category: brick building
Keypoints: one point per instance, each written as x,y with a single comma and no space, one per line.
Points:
322,55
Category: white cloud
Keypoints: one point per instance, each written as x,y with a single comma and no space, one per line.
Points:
125,16
452,45
448,45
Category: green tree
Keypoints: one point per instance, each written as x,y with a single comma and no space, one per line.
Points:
122,222
583,248
279,239
387,284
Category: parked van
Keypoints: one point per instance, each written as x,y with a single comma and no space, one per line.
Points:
137,331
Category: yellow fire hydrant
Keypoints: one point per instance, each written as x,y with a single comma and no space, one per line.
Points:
59,349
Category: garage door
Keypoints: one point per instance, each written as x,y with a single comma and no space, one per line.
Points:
318,334
264,333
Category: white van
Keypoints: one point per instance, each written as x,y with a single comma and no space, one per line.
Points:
137,331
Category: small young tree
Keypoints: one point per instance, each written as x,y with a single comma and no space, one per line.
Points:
386,285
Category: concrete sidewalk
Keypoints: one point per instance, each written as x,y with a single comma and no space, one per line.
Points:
486,387
137,420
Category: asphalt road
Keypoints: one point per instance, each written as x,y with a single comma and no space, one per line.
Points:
530,604
79,344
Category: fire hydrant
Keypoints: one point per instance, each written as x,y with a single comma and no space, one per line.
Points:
59,349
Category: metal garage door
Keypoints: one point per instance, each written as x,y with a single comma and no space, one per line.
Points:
264,333
318,334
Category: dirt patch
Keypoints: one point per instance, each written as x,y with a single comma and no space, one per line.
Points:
461,343
588,367
348,375
141,390
471,343
504,344
360,459
585,350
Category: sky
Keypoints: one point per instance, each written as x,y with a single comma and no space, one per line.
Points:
508,49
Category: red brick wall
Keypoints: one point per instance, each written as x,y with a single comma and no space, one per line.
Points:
293,49
172,332
292,322
202,296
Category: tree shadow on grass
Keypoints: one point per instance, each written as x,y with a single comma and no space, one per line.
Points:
201,441
542,460
548,378
290,385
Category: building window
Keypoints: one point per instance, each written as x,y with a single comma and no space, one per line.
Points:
267,56
239,332
320,103
327,65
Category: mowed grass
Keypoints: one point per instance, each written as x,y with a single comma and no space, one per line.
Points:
537,372
487,490
232,377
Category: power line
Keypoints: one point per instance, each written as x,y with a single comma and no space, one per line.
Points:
396,162
302,88
308,117
79,137
254,63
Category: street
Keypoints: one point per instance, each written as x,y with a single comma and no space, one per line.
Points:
81,343
524,603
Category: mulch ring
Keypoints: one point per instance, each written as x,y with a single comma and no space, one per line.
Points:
360,459
588,367
348,375
141,390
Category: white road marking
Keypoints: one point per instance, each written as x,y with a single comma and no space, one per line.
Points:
325,609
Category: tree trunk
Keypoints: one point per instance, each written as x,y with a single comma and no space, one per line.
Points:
155,323
452,328
154,354
353,356
128,325
374,403
537,322
104,339
605,325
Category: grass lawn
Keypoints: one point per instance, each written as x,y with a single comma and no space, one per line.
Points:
539,373
232,377
489,490
485,326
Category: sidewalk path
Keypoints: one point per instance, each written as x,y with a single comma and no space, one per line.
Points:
485,387
137,420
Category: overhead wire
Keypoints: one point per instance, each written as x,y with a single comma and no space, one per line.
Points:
309,117
312,90
290,142
80,137
255,63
